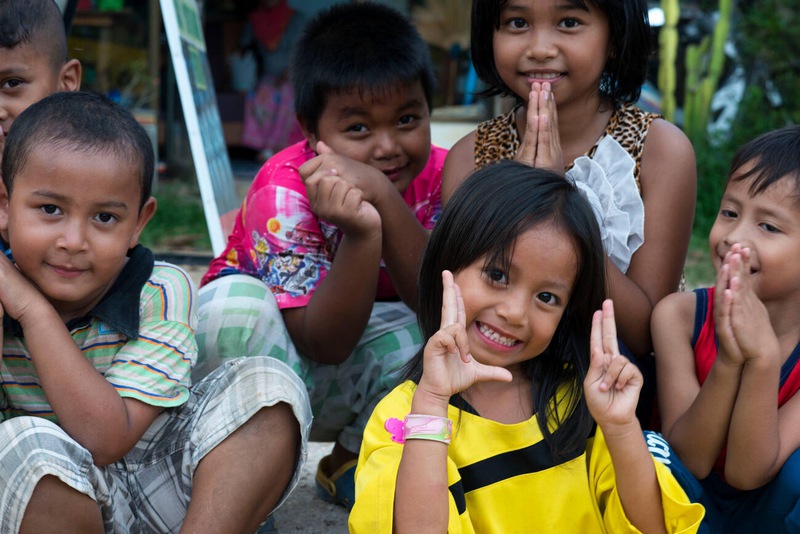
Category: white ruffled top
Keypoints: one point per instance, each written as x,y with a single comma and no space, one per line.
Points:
607,182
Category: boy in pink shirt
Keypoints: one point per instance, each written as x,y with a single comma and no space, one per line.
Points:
320,269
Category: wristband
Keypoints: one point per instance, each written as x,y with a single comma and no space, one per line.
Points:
416,426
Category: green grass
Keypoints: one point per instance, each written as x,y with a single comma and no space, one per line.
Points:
179,223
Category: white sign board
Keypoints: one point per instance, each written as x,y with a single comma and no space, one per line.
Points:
199,101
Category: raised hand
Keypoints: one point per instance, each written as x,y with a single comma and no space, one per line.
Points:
335,198
541,144
18,296
448,366
368,179
612,384
743,325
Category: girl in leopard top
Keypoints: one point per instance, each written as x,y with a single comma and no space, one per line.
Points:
575,67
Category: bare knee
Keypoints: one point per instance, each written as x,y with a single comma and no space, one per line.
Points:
238,484
56,507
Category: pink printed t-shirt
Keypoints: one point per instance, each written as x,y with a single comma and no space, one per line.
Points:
278,238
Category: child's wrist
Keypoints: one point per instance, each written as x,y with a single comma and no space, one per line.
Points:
624,430
428,402
420,426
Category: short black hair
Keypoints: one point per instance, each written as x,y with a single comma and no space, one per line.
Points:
774,155
625,70
483,219
38,23
82,121
366,46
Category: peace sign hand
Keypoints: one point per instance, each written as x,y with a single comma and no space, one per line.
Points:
612,384
448,366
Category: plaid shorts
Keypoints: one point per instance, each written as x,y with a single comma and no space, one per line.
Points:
149,489
239,316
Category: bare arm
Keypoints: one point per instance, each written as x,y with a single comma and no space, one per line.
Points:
612,388
403,237
459,164
756,449
88,407
328,328
669,185
694,419
421,494
404,240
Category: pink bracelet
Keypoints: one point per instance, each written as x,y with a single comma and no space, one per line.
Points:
416,426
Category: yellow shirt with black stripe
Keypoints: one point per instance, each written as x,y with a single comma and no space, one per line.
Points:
502,480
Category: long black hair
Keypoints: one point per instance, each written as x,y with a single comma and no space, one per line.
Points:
486,214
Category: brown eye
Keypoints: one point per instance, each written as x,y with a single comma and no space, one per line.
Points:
547,298
497,276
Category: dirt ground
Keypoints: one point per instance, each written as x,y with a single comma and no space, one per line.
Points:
304,511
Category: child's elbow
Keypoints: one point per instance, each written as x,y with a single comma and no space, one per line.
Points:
106,452
327,354
102,457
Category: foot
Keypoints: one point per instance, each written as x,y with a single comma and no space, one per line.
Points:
336,477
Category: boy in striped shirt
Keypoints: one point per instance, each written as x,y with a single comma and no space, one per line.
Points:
101,429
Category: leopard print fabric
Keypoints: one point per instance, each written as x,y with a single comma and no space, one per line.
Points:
498,138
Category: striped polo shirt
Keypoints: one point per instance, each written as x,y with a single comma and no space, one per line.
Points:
140,337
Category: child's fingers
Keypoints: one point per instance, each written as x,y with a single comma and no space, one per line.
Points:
463,343
723,279
322,148
597,356
549,138
486,373
623,372
461,316
552,108
449,300
744,269
612,373
596,335
610,343
311,166
527,150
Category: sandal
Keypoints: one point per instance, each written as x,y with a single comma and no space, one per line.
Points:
340,487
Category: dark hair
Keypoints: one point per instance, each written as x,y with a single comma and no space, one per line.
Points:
625,70
38,23
366,46
774,155
486,214
82,121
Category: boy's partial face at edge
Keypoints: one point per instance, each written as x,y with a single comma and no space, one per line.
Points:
767,223
27,75
388,130
70,223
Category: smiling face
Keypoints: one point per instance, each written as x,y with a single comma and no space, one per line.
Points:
767,223
552,41
26,76
70,223
388,130
511,315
